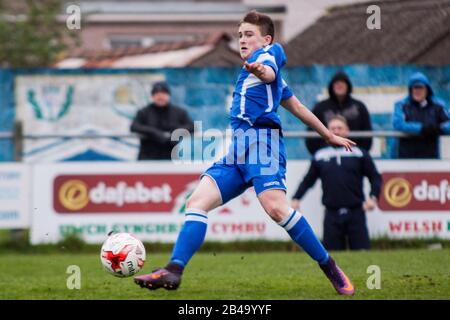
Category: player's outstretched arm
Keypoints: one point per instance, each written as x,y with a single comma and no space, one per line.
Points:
294,106
263,72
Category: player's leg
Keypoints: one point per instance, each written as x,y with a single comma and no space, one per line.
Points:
275,203
219,184
205,197
271,190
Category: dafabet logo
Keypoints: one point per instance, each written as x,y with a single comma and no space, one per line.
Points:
73,194
415,191
397,192
121,193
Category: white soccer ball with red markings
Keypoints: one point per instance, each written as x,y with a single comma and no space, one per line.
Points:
123,255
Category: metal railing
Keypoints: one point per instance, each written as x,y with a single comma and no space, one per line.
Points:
287,134
18,138
6,135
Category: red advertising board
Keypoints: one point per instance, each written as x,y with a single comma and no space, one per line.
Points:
118,193
415,191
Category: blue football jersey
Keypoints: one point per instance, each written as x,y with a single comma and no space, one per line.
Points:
255,102
286,93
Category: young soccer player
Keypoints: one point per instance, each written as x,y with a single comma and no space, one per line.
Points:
256,138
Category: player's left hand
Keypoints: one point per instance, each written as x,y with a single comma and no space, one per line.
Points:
337,141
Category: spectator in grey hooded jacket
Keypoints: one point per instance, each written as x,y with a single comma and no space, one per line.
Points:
422,115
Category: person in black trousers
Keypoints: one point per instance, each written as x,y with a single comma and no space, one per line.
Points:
342,174
155,123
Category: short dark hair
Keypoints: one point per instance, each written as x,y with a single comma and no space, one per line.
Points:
263,21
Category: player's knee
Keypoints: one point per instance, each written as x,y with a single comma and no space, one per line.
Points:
195,202
275,212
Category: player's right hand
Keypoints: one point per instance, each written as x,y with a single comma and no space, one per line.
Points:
256,68
337,141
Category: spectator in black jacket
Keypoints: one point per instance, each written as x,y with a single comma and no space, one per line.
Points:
424,116
341,103
342,174
155,123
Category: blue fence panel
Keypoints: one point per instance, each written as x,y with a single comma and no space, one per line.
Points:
206,92
7,113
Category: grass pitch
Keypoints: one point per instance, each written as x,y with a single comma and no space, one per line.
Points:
405,274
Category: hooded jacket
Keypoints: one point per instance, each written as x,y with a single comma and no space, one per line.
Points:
354,111
412,117
155,125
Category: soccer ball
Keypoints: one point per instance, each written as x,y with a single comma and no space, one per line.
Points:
122,255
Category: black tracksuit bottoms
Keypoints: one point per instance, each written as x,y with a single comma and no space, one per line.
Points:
345,226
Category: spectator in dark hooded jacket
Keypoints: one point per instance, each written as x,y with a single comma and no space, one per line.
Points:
155,123
341,103
424,116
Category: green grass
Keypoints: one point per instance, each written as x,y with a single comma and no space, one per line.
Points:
405,274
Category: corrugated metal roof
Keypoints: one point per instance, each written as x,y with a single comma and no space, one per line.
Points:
410,31
174,54
174,58
172,7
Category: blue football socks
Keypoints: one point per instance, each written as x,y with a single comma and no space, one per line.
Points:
190,237
300,231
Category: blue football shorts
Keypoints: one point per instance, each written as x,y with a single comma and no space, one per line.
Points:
257,159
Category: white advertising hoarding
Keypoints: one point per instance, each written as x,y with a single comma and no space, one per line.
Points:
147,199
144,198
14,196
